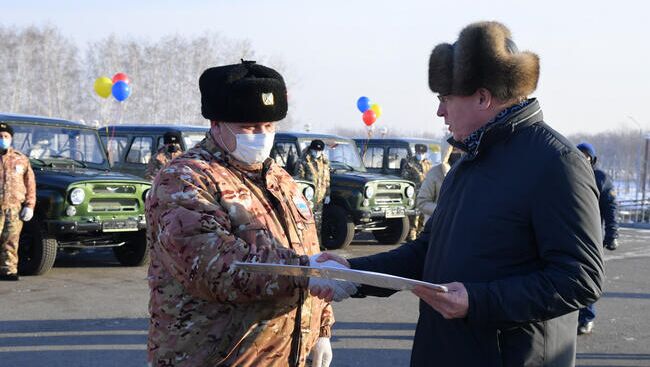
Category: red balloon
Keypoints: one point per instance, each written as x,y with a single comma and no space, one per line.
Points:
369,117
121,77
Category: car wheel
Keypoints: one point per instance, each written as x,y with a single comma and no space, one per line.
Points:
135,252
36,250
338,228
395,233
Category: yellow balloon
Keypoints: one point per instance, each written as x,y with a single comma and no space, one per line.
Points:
103,86
375,107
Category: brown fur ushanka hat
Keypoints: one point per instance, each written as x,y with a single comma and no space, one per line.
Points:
483,57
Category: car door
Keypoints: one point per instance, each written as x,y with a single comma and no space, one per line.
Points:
138,154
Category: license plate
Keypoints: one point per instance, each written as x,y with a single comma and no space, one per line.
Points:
119,226
394,212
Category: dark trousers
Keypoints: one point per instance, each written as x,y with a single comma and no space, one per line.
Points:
587,314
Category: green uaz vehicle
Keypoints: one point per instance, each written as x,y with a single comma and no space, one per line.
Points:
80,203
360,201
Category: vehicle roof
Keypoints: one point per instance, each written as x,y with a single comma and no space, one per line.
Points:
155,128
8,117
398,140
303,135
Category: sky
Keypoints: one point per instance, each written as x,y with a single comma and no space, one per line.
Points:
595,56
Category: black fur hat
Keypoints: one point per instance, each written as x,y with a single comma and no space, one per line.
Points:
483,57
245,92
171,138
6,127
317,145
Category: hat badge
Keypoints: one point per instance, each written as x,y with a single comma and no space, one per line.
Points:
267,99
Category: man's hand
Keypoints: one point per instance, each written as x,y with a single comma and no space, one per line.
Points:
611,245
329,289
451,305
321,353
26,214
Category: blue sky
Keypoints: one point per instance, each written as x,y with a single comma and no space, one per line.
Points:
594,57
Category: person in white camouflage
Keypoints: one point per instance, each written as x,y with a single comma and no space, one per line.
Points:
223,201
170,150
315,167
17,201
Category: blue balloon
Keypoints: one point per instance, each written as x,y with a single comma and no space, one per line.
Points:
363,104
121,91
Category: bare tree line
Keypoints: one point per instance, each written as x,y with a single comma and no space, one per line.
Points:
45,74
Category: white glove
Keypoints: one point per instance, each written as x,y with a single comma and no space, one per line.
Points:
342,289
327,200
26,214
321,353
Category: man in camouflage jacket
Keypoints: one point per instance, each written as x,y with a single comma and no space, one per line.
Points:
314,166
170,150
17,200
219,203
415,169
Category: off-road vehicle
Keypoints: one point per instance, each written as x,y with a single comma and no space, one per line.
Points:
80,203
360,201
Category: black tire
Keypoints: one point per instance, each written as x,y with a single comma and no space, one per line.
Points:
135,252
337,229
36,251
395,233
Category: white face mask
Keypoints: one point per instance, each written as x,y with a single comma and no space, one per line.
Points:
252,148
316,154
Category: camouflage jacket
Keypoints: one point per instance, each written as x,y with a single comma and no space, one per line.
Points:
162,158
207,210
18,182
415,170
317,171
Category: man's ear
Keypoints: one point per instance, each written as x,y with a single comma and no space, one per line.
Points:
484,99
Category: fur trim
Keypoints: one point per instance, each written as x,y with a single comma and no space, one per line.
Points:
484,56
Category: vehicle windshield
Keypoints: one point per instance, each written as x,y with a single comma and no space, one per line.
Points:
191,139
46,143
342,154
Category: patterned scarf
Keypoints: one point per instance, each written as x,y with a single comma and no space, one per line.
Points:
473,141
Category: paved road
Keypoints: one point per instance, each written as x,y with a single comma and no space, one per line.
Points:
89,311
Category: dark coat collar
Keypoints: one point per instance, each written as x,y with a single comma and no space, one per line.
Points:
513,122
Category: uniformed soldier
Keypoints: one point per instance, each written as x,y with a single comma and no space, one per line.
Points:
415,169
18,195
222,201
170,150
314,166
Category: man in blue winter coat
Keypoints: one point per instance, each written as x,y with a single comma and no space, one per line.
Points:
516,233
607,204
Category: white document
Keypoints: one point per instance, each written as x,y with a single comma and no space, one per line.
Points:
355,276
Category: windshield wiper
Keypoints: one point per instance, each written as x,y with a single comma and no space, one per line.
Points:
345,165
41,162
82,163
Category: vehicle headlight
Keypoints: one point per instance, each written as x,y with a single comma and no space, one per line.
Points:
309,193
369,192
145,194
410,191
71,211
77,196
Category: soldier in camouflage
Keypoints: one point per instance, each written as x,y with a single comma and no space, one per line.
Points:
170,150
224,201
17,198
314,166
415,169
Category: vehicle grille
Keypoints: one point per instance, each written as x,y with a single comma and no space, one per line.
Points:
385,199
388,186
114,189
112,205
